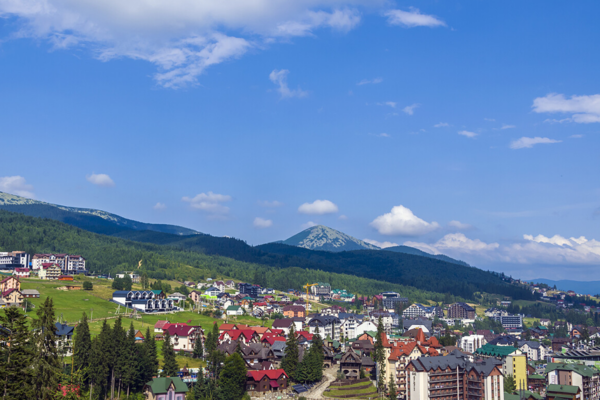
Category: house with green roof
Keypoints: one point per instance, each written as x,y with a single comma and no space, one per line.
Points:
585,377
234,310
563,392
491,350
165,389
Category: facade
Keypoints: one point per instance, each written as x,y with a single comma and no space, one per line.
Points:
30,293
49,271
294,311
12,297
535,351
165,389
69,264
234,310
10,282
15,258
350,364
21,272
143,300
586,378
391,299
64,339
461,311
514,362
454,377
184,337
273,380
321,289
472,342
249,290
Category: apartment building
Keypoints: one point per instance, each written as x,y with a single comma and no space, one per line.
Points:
184,337
472,342
321,289
461,310
454,377
419,310
15,258
585,377
536,351
326,326
69,264
49,271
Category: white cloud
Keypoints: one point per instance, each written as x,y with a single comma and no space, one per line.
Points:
459,225
279,77
180,38
410,110
342,217
531,250
100,180
370,81
489,119
412,18
576,136
388,103
402,221
468,134
441,125
504,126
381,245
160,206
16,185
209,202
385,135
318,207
270,204
584,109
557,121
527,142
262,223
309,224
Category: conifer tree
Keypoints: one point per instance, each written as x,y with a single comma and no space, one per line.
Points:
317,358
101,361
121,356
215,335
233,378
130,372
82,348
170,367
198,348
289,363
392,393
151,354
16,356
380,356
45,363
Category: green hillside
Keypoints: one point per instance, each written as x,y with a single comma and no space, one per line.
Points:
417,252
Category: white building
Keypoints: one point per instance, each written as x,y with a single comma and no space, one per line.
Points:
326,326
366,326
472,342
535,351
69,264
15,258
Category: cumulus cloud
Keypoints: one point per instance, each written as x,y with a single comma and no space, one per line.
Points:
527,142
16,185
318,207
209,202
270,204
410,110
402,222
262,223
381,245
538,249
183,38
584,109
100,180
468,134
369,81
309,224
441,125
460,226
342,217
160,206
505,126
412,18
279,77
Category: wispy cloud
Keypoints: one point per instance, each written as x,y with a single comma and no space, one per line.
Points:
529,142
489,119
383,135
412,18
441,125
468,134
505,126
309,224
381,245
460,226
410,110
279,77
209,202
159,206
576,136
262,223
584,109
392,104
100,180
318,207
16,185
270,204
370,81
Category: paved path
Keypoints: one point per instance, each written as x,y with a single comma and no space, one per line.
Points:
329,376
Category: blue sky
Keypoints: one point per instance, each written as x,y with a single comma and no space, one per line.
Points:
465,128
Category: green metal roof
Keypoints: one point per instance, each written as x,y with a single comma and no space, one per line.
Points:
495,351
581,369
161,385
535,376
562,389
156,291
233,308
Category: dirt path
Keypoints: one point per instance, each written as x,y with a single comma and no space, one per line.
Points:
329,376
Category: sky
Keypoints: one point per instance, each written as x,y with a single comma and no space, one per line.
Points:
467,128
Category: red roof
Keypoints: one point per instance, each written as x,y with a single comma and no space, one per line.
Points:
22,269
226,327
272,374
9,291
273,339
160,324
180,329
46,265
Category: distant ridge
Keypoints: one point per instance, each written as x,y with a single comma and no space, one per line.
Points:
581,287
417,252
323,238
85,218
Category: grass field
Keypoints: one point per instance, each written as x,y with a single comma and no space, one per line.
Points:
369,392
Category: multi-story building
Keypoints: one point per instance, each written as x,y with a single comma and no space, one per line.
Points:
461,310
454,377
535,351
514,362
249,289
349,325
10,282
326,326
15,258
184,337
69,264
419,310
587,378
391,299
321,289
49,271
64,339
472,342
386,319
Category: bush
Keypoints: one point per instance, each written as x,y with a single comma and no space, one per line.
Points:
87,285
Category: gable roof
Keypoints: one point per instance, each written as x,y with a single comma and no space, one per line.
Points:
272,374
161,385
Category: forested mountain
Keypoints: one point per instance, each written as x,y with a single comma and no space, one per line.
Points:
108,254
91,220
417,252
323,238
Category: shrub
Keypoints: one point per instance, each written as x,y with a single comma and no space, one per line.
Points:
87,285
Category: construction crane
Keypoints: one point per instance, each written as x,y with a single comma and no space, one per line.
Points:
307,287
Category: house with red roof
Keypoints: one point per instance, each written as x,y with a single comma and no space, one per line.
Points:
22,272
12,297
185,337
272,380
246,336
10,282
160,325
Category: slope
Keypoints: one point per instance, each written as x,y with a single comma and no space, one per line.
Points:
417,252
89,219
323,238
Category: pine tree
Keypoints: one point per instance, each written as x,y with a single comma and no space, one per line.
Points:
215,336
170,367
82,348
15,357
130,372
380,356
289,363
45,363
317,358
151,354
198,348
199,389
393,394
101,361
120,356
233,378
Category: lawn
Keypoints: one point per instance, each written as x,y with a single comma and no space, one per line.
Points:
371,390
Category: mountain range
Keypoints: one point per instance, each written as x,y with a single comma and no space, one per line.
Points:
96,221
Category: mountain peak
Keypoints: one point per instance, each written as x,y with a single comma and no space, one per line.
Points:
320,237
